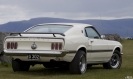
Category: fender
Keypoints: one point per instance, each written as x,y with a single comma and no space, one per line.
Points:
111,53
119,48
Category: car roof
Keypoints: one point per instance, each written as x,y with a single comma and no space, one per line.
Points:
73,24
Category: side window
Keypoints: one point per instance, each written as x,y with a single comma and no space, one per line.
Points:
91,33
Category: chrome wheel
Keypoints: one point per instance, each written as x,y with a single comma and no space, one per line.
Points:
78,64
115,60
82,64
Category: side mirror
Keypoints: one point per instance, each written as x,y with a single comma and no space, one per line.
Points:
103,36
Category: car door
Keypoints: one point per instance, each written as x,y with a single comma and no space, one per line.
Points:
97,47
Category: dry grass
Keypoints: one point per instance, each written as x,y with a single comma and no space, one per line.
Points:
96,72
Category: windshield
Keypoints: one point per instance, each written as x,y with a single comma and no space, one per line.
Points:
50,28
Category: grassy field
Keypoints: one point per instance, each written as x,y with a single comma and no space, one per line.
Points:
96,72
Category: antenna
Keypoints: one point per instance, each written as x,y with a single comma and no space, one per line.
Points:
101,23
127,32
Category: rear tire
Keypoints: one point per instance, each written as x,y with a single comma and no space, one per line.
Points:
78,64
16,65
115,61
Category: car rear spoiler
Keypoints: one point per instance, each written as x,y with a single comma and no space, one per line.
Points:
36,33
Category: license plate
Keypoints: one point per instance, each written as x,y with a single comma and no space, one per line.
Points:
33,57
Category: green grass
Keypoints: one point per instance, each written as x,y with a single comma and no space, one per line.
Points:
96,72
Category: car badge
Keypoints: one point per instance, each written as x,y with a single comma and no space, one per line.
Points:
33,46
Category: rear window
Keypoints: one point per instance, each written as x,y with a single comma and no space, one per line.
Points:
50,28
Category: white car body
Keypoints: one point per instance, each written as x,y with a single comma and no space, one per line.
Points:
97,50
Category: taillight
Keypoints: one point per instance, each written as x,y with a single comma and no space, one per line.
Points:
12,45
56,46
15,45
60,46
8,45
52,46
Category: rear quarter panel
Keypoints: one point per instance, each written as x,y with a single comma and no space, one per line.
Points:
73,43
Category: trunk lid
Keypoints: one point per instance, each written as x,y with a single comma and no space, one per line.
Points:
40,41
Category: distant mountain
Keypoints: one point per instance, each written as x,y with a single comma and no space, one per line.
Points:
123,27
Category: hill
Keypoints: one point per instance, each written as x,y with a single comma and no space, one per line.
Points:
123,27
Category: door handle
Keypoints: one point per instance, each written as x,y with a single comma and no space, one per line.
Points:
92,41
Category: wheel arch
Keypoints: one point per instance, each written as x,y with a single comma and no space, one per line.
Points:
107,65
117,48
83,48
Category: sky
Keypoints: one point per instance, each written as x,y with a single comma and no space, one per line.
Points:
17,10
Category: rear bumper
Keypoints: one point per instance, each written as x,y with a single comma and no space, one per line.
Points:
41,53
45,56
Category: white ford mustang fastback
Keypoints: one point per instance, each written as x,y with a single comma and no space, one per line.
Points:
62,45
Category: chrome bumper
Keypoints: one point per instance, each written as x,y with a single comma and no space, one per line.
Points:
41,53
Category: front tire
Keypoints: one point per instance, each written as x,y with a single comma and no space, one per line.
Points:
78,65
115,61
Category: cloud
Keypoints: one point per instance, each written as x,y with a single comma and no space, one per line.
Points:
11,13
15,10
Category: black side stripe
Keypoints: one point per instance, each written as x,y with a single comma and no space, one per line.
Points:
93,51
99,51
